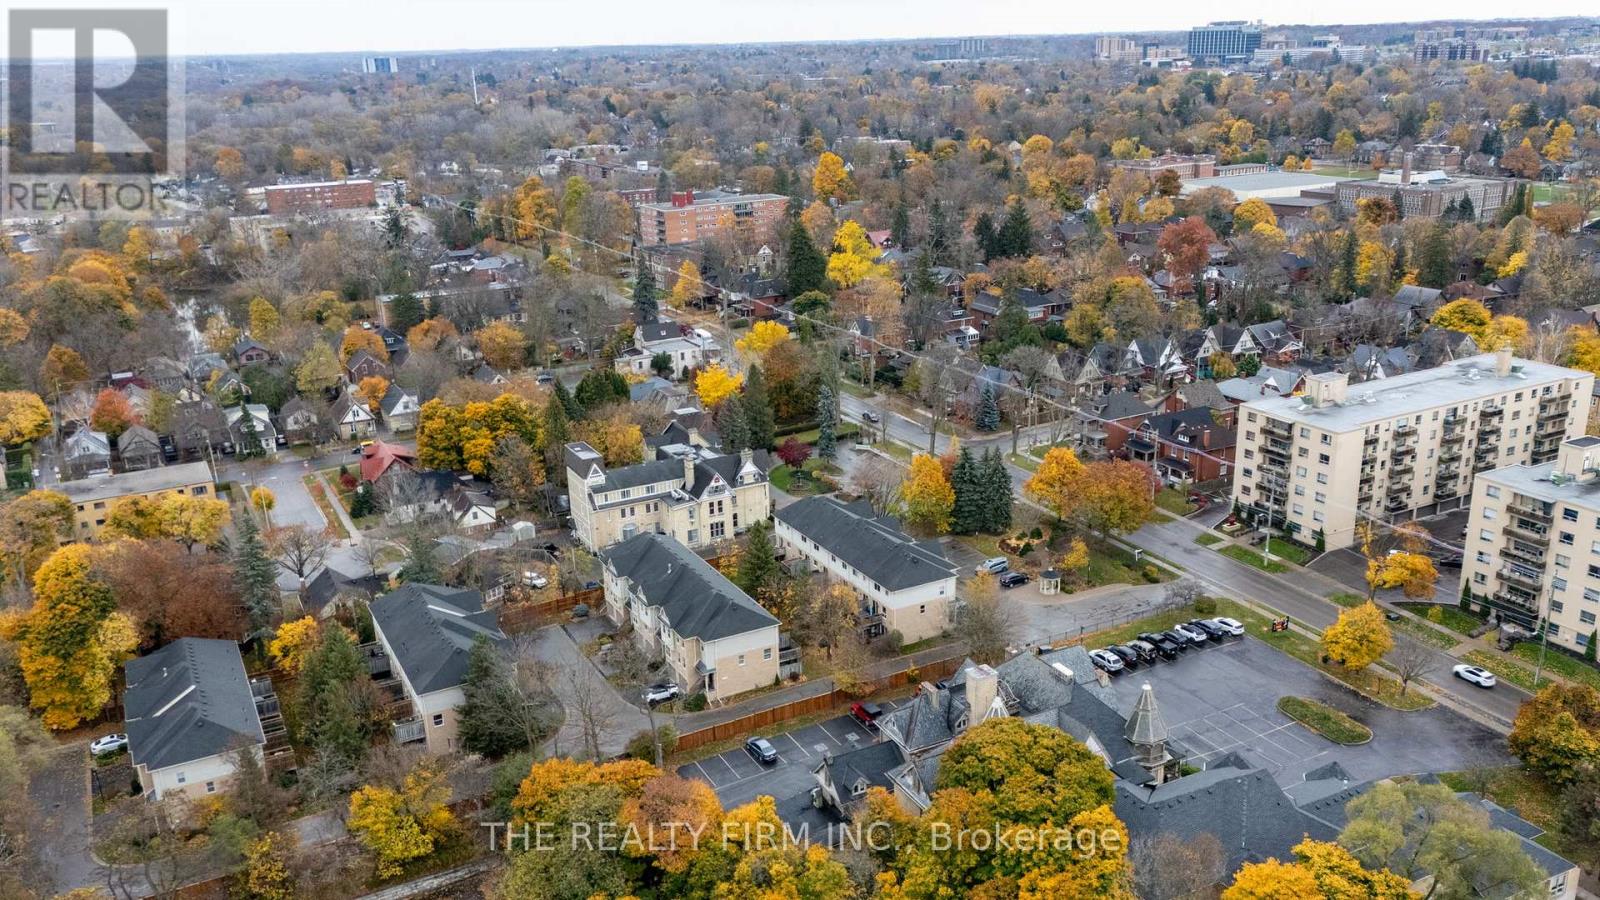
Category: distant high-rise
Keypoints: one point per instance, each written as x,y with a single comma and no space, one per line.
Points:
1224,41
380,65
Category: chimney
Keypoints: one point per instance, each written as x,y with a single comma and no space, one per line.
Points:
1405,168
746,456
1066,675
983,687
1502,361
1327,388
688,471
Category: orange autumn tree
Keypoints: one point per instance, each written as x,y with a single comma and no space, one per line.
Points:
358,338
372,388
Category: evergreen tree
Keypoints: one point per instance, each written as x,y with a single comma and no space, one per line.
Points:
941,241
421,565
807,267
758,415
249,435
733,426
1514,208
362,502
1465,212
827,421
569,403
967,478
663,187
1016,233
255,574
900,227
758,566
1011,327
1433,257
600,387
988,418
646,306
1397,268
1492,144
1452,212
330,720
482,723
923,283
554,432
1348,284
405,312
983,232
1399,205
997,492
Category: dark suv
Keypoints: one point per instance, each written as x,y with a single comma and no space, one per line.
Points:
1162,643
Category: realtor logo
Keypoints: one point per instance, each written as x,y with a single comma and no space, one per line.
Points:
91,112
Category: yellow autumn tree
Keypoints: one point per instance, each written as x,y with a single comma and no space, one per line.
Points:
371,389
23,418
402,825
1507,331
264,321
1559,147
763,336
1252,212
1465,315
854,259
292,645
358,338
1359,638
926,498
502,345
1321,871
715,384
830,181
1058,482
689,286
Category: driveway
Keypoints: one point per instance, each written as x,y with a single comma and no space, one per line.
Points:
1036,619
618,719
1223,699
60,793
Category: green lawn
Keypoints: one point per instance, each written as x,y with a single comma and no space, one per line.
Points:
781,477
1289,550
1023,462
1518,790
1339,171
1252,557
1348,600
1428,634
1325,720
1112,565
1208,539
1560,663
1174,501
1503,668
1452,617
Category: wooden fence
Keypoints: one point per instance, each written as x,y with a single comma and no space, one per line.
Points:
517,616
829,699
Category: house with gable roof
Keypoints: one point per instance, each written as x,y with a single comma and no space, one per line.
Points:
427,632
689,492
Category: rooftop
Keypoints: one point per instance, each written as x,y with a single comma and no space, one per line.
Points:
1261,181
431,629
146,481
876,546
187,701
1461,381
696,600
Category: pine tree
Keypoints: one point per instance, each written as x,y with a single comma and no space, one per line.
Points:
758,566
1348,284
758,415
983,233
1397,268
807,268
405,312
997,492
421,565
922,281
733,426
255,574
988,418
330,721
1433,257
827,421
968,515
1465,212
481,722
1016,233
941,243
1399,205
646,306
568,402
249,434
900,228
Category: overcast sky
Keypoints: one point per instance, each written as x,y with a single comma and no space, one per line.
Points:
299,26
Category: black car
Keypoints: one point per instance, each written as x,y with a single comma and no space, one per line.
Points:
1129,657
1013,579
1178,638
1215,633
1163,644
1148,652
761,750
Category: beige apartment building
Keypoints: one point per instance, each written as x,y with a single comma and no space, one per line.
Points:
93,497
1532,549
695,216
717,639
1400,447
694,495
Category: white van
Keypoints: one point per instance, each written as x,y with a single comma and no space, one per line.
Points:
993,565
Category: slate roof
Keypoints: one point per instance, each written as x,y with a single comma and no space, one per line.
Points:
640,474
697,600
130,441
431,629
1202,394
1415,295
657,330
187,701
874,545
485,374
871,763
1185,427
86,442
1121,405
326,586
392,398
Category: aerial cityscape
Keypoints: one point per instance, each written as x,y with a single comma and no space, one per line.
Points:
1146,464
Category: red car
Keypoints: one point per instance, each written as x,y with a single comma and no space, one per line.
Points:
867,714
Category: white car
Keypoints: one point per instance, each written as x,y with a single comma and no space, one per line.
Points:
1194,634
535,580
1478,676
1107,661
1231,626
111,743
660,693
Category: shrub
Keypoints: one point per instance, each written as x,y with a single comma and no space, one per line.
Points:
1025,549
1152,574
893,641
347,481
1436,615
642,746
695,703
1206,606
1036,533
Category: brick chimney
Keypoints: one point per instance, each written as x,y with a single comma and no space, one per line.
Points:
983,687
1405,168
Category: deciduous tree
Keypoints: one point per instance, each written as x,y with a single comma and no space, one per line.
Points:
714,384
23,418
502,345
925,497
1359,638
1557,732
404,824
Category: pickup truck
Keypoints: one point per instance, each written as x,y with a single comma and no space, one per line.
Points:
867,714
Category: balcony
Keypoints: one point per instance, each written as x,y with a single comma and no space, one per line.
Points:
1549,411
1403,450
1397,504
1552,427
1528,578
1276,428
1404,428
1522,530
1519,608
1371,439
1445,492
1490,412
1530,554
1449,453
1536,513
409,731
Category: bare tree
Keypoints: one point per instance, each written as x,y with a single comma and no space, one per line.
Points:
588,703
300,549
632,666
369,552
877,479
1411,660
939,378
1184,592
145,856
982,623
1169,867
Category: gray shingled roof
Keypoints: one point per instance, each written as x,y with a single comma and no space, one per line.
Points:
875,546
873,763
431,629
697,600
188,700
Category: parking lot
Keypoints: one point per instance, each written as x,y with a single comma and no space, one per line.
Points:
738,779
1349,567
1223,698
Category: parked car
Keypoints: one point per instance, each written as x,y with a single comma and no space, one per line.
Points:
1148,653
111,743
1478,676
867,714
1162,644
1013,579
1194,633
993,565
660,693
1107,662
1229,626
761,750
1178,638
1211,629
535,580
1129,656
871,416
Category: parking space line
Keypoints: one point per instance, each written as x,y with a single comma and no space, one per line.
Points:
704,775
831,736
796,744
725,762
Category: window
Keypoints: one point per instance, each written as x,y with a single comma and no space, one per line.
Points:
1485,535
766,653
1322,459
717,530
438,720
1586,617
1316,517
1299,510
1477,578
1566,538
741,659
1322,478
1299,490
1558,584
1594,571
182,778
1590,595
1491,491
199,490
1562,560
1300,471
1557,606
1321,497
211,787
1570,514
1490,514
1327,439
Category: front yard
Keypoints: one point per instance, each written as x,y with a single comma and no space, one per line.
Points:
1452,617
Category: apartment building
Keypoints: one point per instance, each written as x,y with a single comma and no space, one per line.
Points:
717,640
1428,194
691,216
904,585
1406,446
93,497
190,710
1532,549
289,199
691,493
1202,165
427,632
1225,41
